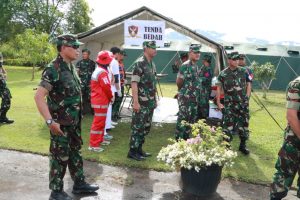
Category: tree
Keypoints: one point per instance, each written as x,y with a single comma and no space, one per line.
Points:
78,17
33,48
9,28
264,74
44,16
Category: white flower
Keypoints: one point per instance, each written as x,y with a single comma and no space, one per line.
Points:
207,148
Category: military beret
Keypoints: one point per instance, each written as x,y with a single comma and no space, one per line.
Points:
233,55
149,44
207,58
68,40
195,48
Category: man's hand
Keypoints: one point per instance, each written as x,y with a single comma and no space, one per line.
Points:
112,99
55,129
119,93
220,106
136,107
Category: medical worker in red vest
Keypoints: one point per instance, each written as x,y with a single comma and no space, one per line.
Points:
101,97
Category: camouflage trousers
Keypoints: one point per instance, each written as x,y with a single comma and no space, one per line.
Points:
236,116
188,111
140,126
116,105
203,106
86,100
5,95
287,166
65,152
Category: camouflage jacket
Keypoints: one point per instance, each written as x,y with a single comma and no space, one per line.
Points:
205,79
249,73
234,84
85,70
144,74
2,78
190,89
64,99
293,102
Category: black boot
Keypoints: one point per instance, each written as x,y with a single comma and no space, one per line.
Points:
133,154
4,119
59,195
243,147
143,153
83,187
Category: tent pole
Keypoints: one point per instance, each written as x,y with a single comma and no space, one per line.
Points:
169,62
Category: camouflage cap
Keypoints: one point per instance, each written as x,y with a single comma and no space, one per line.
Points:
233,55
195,48
149,44
122,52
68,40
86,50
207,58
241,56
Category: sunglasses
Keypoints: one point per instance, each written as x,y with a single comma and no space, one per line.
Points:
73,46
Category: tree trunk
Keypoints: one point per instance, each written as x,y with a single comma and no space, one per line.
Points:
33,70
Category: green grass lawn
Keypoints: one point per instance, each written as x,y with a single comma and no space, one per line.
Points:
29,132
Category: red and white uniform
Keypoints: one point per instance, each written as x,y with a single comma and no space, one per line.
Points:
101,96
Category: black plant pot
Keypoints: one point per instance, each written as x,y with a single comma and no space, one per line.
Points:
202,183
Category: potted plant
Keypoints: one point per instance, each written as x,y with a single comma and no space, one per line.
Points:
200,158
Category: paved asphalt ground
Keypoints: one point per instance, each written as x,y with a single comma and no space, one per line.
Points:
24,176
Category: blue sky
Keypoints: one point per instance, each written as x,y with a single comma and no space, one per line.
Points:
228,20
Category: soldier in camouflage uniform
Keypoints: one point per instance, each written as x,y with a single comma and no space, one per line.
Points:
237,87
288,162
242,64
62,112
4,94
143,84
85,69
205,79
188,84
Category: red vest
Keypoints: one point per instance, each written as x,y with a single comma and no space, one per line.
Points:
101,93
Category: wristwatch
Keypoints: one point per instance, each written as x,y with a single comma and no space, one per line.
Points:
49,122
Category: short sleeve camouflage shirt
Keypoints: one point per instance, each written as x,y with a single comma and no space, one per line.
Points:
64,99
144,74
234,84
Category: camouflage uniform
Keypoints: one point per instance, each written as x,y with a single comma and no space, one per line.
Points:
5,94
288,162
64,103
85,70
236,102
188,97
205,79
144,74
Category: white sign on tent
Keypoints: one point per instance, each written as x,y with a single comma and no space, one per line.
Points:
138,31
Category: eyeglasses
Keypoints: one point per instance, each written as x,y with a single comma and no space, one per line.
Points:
73,46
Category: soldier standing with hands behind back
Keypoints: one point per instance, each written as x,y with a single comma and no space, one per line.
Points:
205,79
85,69
188,83
4,94
143,85
62,113
237,89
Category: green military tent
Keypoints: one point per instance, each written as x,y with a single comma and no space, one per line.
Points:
286,59
112,34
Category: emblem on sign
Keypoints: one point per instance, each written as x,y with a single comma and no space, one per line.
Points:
133,30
